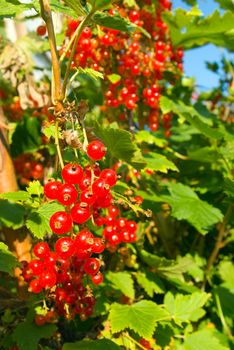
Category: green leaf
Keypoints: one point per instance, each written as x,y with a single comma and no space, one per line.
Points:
38,221
19,196
226,4
205,155
226,271
158,162
24,329
7,260
11,214
145,136
165,267
77,7
27,136
190,114
12,8
189,31
100,4
227,150
56,6
205,340
117,22
224,294
102,344
49,131
185,308
140,317
150,282
186,205
120,145
122,281
35,188
91,73
114,78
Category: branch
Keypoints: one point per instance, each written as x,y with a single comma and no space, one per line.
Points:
219,242
56,95
73,51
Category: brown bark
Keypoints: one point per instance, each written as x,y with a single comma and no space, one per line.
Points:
20,246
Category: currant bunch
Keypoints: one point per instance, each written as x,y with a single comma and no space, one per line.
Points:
137,61
28,168
61,268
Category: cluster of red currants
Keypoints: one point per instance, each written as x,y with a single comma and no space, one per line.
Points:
84,193
28,168
138,62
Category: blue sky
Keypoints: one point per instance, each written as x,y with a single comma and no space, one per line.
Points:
194,60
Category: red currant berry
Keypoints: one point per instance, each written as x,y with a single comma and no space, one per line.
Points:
35,286
98,245
96,150
84,240
113,211
72,173
80,213
36,266
85,183
48,279
109,176
61,222
67,194
145,343
131,226
41,30
97,279
40,320
91,266
51,189
88,197
65,247
114,239
100,187
41,250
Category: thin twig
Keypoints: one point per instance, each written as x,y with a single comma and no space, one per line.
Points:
219,242
57,145
73,51
56,76
226,329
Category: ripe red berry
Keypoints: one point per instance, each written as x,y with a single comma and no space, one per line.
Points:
91,266
96,150
98,245
113,211
72,173
100,187
85,183
41,30
36,266
88,197
41,250
145,343
131,226
61,222
51,189
124,236
48,279
80,213
67,194
97,279
40,320
84,240
114,239
109,176
65,247
35,286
